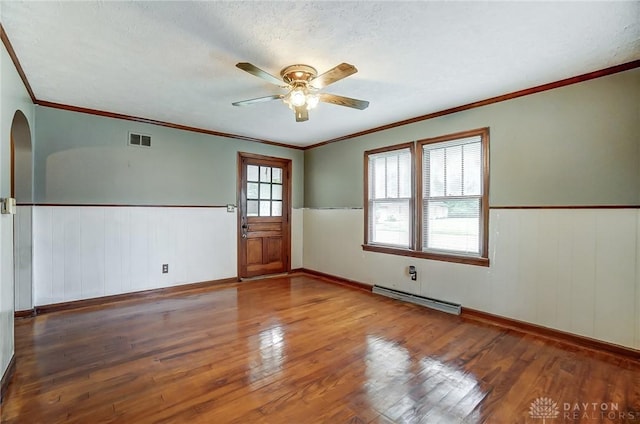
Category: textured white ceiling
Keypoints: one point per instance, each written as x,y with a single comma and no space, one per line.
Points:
175,61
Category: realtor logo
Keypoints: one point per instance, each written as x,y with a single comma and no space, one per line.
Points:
544,407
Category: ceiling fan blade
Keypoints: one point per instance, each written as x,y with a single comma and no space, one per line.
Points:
254,70
302,114
343,101
257,100
332,75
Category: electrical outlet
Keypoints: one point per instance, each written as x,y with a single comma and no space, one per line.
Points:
165,268
413,273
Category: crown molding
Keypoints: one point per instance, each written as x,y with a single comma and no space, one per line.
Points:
497,99
513,95
114,115
45,103
16,62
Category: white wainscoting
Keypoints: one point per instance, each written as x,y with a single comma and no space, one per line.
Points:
86,252
83,252
575,270
23,254
297,232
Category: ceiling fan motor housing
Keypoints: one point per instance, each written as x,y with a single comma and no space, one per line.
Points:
298,74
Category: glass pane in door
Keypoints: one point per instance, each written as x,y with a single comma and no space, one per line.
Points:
276,175
252,208
276,192
252,173
276,208
265,174
252,190
265,191
265,208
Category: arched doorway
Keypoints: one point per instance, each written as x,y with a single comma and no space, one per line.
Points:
22,191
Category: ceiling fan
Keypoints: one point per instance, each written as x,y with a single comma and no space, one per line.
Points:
304,84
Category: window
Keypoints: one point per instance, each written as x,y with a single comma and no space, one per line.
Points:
390,196
453,200
264,191
451,184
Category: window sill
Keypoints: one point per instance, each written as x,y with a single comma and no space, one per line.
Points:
468,260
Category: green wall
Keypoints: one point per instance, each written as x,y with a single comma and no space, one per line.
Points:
575,145
85,159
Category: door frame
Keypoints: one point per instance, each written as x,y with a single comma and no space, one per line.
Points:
240,193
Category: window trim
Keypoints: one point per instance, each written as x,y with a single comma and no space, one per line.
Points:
415,250
483,256
412,200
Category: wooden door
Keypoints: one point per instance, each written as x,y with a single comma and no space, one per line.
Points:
264,211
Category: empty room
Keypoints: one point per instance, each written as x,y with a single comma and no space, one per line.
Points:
320,212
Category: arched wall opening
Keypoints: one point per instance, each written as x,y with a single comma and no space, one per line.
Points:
22,191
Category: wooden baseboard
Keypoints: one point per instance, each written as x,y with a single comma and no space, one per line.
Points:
104,300
338,280
549,333
25,314
7,376
76,304
509,323
467,313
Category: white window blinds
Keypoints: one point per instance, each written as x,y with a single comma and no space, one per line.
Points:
389,194
452,196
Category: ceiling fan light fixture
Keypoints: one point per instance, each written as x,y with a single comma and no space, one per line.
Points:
312,101
297,97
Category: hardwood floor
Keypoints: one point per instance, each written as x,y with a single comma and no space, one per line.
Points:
300,350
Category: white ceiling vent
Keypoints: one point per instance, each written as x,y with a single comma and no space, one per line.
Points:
141,140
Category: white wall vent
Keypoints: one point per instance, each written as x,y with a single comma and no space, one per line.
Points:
440,305
140,140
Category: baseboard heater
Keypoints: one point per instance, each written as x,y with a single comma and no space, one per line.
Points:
440,305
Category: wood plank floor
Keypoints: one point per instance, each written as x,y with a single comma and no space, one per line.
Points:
300,350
